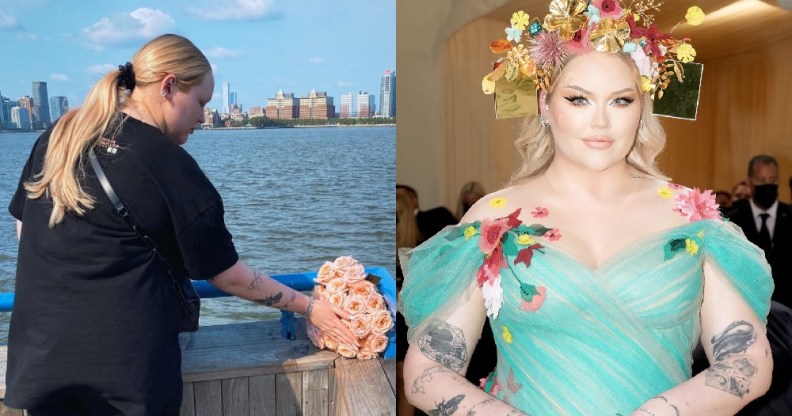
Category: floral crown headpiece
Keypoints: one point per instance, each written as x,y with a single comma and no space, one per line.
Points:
578,26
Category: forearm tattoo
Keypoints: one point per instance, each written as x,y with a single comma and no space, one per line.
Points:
427,377
480,409
255,283
447,407
663,398
736,338
444,344
270,300
732,375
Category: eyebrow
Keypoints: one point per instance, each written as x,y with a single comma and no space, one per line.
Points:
585,91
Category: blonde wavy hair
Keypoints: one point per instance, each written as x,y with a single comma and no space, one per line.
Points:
407,233
535,143
76,132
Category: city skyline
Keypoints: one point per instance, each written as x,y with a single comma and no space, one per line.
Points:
258,46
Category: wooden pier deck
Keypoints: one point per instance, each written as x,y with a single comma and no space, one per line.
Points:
250,369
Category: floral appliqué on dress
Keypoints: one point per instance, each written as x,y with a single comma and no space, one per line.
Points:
503,238
694,204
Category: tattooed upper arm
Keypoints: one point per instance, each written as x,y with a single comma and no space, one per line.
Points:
732,374
445,344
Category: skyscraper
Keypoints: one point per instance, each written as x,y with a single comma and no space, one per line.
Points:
41,111
59,106
365,105
388,94
2,112
20,118
27,103
346,105
226,97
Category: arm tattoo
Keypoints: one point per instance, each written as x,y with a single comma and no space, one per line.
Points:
447,408
255,284
444,344
732,376
270,300
427,377
663,398
736,338
480,407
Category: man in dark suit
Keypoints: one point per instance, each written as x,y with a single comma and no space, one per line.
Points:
767,222
429,222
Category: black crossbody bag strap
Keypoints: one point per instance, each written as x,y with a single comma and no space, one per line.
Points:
121,209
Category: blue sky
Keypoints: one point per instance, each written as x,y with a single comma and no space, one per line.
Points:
259,46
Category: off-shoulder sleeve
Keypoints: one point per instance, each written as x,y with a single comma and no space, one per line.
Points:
742,263
439,275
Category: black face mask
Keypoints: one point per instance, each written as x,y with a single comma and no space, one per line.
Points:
765,195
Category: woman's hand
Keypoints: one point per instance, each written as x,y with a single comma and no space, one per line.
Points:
325,316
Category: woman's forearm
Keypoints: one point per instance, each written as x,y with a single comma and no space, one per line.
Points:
251,284
439,390
722,389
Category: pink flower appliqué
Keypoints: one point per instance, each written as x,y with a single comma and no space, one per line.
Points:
553,234
536,302
540,212
490,269
675,186
491,233
697,205
608,8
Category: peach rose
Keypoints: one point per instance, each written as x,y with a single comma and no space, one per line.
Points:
355,304
315,336
349,351
375,301
330,342
361,325
354,274
342,263
319,292
336,285
362,288
326,273
366,355
376,342
336,299
381,321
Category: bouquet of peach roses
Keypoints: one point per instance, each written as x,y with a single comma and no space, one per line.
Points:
345,283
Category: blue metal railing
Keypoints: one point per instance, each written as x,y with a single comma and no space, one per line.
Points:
297,281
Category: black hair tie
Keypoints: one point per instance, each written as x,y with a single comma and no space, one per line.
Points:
126,78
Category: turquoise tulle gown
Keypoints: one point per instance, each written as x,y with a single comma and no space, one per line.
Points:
577,341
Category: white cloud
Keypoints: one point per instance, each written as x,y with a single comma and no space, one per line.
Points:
7,21
59,77
316,60
235,10
143,23
223,53
101,69
345,84
27,36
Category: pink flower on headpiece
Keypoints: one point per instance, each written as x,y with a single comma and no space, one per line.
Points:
608,8
697,205
548,50
646,65
653,38
580,42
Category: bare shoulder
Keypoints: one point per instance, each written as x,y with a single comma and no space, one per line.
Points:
500,203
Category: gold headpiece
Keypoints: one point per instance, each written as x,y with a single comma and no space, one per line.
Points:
578,26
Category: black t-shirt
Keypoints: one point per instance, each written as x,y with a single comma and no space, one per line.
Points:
94,308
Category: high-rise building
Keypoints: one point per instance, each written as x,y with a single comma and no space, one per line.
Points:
317,105
20,117
41,112
5,107
346,105
365,105
2,112
388,94
27,103
283,106
226,97
211,119
232,98
59,106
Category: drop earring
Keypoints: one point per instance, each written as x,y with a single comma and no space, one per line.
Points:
640,124
545,122
162,93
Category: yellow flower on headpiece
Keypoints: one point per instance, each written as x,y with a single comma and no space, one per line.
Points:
610,34
646,84
520,20
567,17
685,52
694,16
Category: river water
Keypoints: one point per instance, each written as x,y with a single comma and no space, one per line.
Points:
294,198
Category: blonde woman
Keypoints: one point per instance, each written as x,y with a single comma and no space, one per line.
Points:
470,193
95,323
597,276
